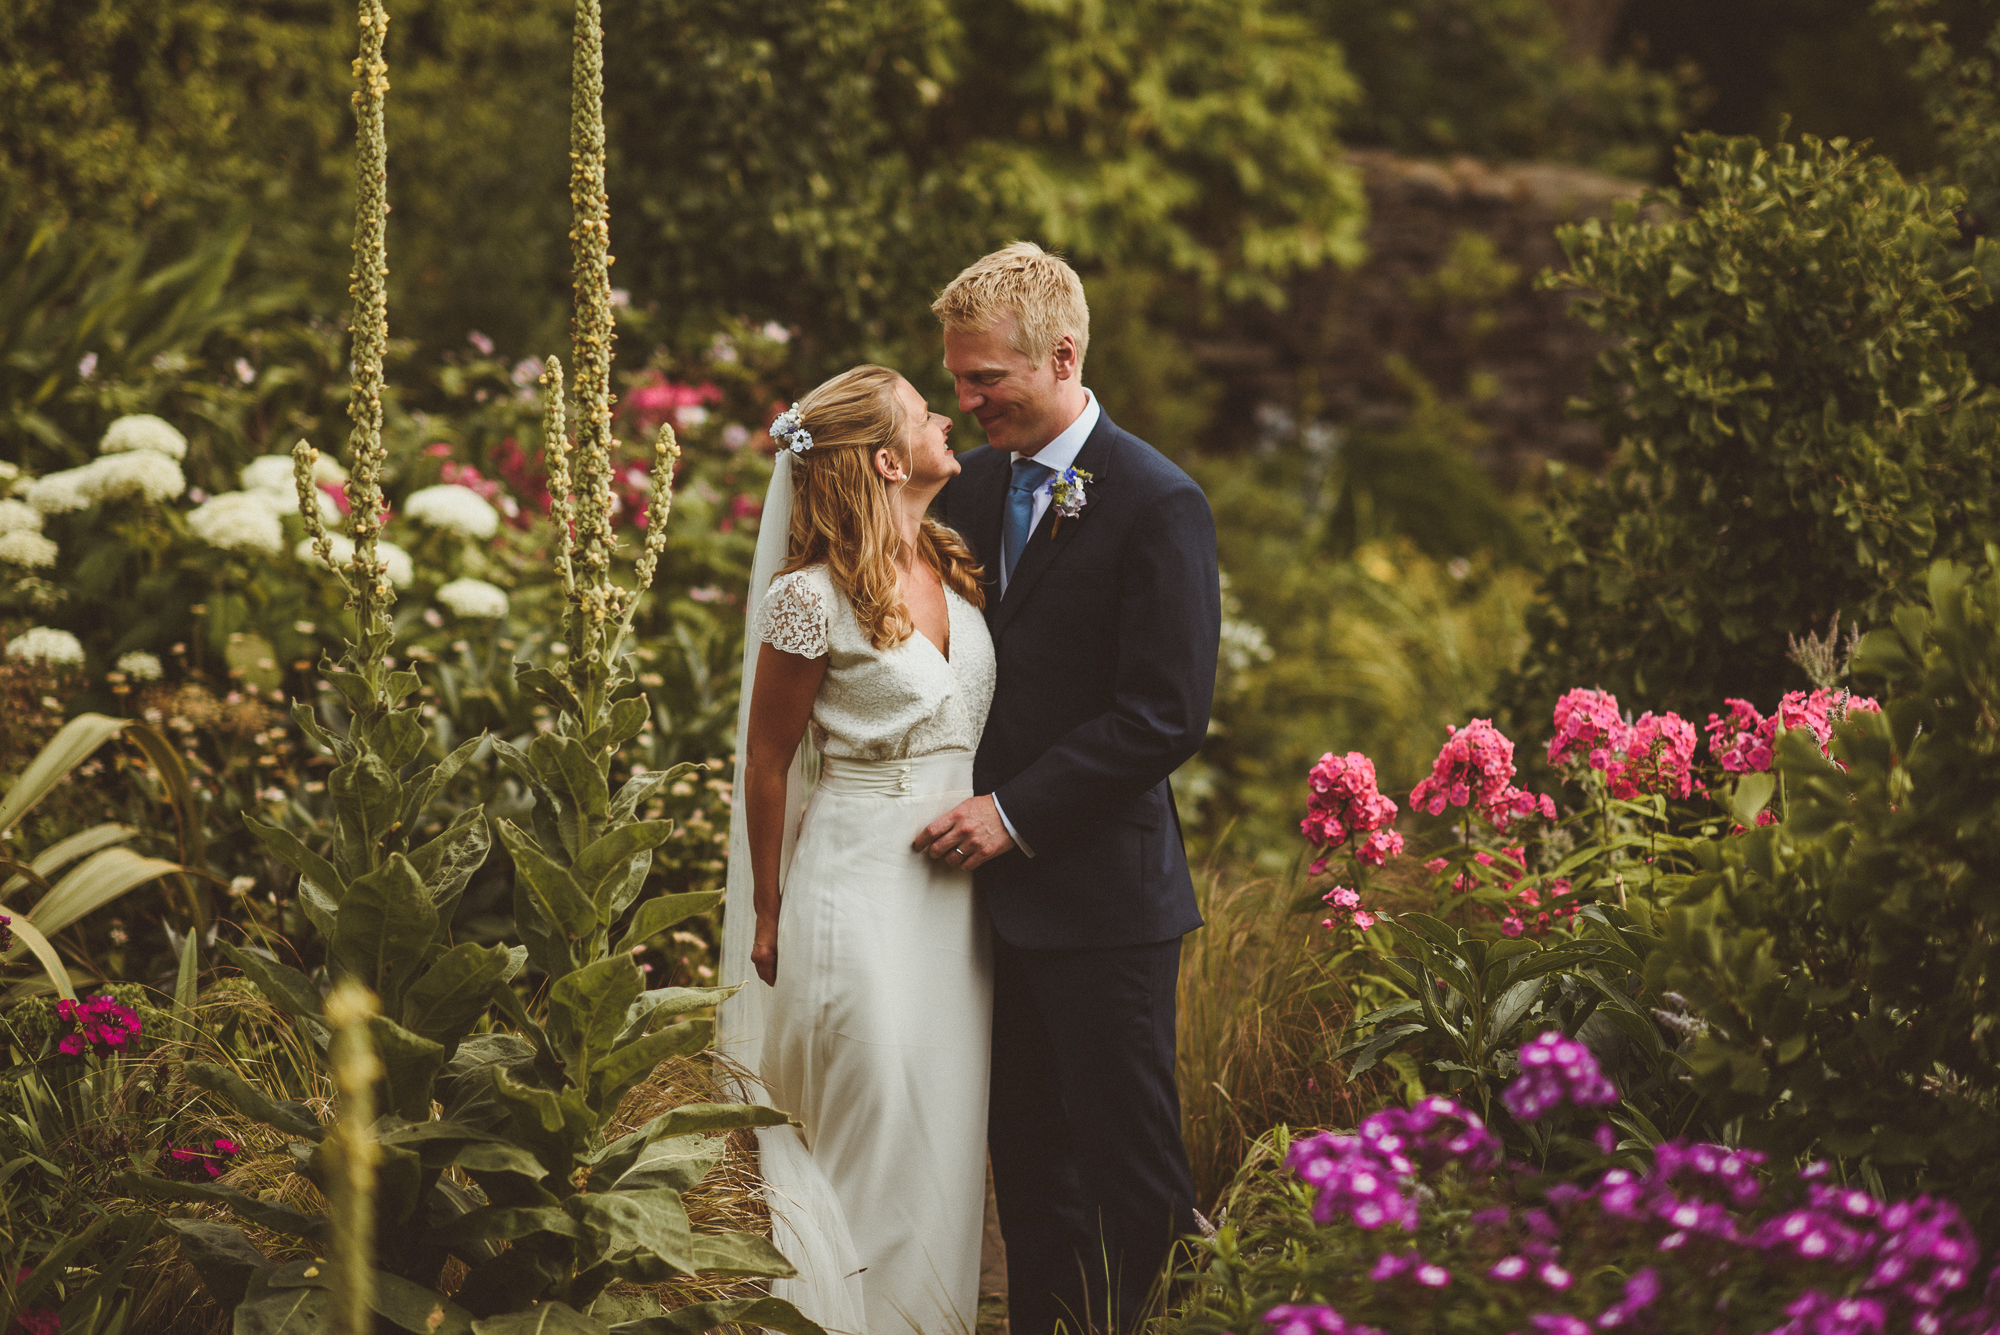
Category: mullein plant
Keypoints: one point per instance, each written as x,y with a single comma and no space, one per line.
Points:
518,1178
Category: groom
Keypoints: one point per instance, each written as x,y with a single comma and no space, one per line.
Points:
1103,600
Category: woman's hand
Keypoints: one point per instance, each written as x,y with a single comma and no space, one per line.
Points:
764,951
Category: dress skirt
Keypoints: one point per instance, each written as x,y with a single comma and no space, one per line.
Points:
880,1030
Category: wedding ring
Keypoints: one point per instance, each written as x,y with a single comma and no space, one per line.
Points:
959,851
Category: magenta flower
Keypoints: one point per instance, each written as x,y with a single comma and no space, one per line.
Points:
1741,743
1654,755
1345,804
1475,769
6,933
1312,1319
102,1026
1556,1071
1587,722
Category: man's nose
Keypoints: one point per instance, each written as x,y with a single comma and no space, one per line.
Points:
969,396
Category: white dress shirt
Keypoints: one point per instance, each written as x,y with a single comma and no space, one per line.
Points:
1057,455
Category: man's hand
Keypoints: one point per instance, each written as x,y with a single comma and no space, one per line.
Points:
966,836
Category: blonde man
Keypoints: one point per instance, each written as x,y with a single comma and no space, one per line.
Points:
1105,611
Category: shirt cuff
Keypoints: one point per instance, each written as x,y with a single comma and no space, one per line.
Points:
1012,833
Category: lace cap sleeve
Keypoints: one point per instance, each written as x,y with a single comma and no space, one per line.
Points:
792,616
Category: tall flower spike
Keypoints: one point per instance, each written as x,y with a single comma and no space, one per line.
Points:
369,592
666,454
555,454
305,471
591,338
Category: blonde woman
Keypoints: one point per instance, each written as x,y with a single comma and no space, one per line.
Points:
867,995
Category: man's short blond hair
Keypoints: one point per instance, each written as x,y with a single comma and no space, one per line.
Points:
1038,289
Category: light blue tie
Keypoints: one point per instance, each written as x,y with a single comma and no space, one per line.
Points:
1020,517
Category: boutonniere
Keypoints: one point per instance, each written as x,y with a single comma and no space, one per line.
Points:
1069,493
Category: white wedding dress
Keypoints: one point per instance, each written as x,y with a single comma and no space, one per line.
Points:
878,1032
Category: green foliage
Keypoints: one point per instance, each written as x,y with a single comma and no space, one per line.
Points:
1496,80
103,869
1796,434
832,166
1842,960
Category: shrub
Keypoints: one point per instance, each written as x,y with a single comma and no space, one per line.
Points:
1795,434
1843,960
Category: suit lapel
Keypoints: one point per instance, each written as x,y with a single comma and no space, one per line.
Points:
1045,543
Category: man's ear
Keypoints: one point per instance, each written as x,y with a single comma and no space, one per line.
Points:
1064,357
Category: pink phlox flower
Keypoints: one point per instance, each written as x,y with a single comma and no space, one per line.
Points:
1363,919
1475,768
655,399
1654,756
1587,721
1343,803
1436,865
1740,743
39,1321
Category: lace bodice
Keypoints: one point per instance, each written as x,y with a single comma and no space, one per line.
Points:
881,704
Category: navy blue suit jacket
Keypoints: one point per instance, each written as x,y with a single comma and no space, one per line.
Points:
1106,644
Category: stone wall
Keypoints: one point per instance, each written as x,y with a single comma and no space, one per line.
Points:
1448,293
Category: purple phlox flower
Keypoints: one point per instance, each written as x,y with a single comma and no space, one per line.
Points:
1556,1070
1312,1319
1555,1276
1433,1131
102,1026
1812,1235
1508,1269
1925,1251
1354,1180
1816,1313
1641,1291
1391,1265
1559,1323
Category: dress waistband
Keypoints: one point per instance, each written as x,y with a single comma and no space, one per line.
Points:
940,772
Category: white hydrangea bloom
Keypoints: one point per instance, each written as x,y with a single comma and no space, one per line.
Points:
8,472
474,598
23,548
270,472
327,469
45,644
19,517
143,431
139,474
141,666
58,493
460,510
402,570
237,521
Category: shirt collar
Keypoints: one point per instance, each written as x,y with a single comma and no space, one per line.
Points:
1061,452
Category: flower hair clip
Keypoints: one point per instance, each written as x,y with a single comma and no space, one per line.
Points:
789,430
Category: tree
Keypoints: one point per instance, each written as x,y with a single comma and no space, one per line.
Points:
1796,434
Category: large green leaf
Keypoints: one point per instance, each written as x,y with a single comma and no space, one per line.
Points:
554,888
289,849
613,1075
60,854
368,799
541,1319
101,878
607,858
500,1223
407,1305
65,751
447,862
690,1119
740,1255
642,786
27,938
587,1009
221,1255
752,1313
384,928
180,793
621,1225
294,1119
426,787
410,1065
277,1218
677,1161
284,987
269,1311
663,911
454,992
663,1003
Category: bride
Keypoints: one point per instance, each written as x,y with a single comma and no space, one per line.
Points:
871,1022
